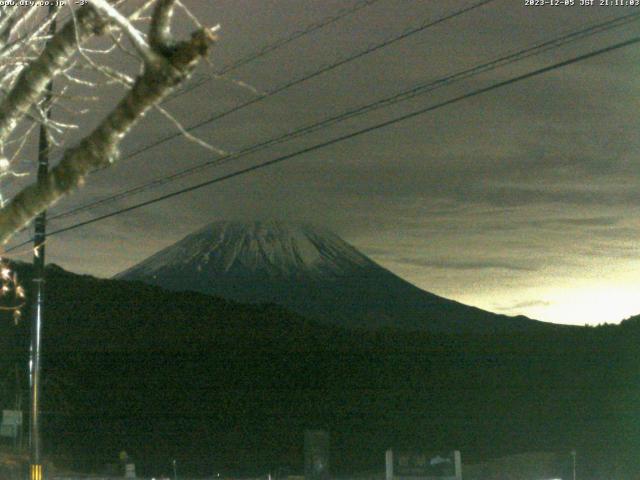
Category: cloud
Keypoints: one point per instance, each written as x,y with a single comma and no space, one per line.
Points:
581,222
466,264
522,305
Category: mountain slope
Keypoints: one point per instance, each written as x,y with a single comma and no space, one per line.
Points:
310,271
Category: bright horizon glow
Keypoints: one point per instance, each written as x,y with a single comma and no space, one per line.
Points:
603,291
592,305
585,305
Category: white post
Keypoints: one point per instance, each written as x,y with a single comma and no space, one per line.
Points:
388,458
457,461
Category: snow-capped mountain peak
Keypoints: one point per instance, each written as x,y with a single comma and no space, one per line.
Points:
271,248
310,271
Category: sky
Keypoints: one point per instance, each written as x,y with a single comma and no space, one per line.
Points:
521,200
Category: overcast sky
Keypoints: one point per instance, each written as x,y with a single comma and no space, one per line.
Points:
523,200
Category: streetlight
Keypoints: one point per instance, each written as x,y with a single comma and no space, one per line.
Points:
175,469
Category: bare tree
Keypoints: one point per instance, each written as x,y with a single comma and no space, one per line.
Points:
30,59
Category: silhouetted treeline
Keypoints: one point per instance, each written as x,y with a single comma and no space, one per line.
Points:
229,388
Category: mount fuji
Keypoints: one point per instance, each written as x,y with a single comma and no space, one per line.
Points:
313,272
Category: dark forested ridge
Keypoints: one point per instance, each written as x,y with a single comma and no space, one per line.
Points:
227,387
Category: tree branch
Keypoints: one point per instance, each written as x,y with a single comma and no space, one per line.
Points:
33,80
100,148
134,35
160,31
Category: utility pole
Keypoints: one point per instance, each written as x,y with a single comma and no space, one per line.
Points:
35,452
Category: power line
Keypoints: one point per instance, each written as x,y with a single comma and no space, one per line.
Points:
313,27
407,33
363,131
365,3
264,51
294,36
402,96
325,69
